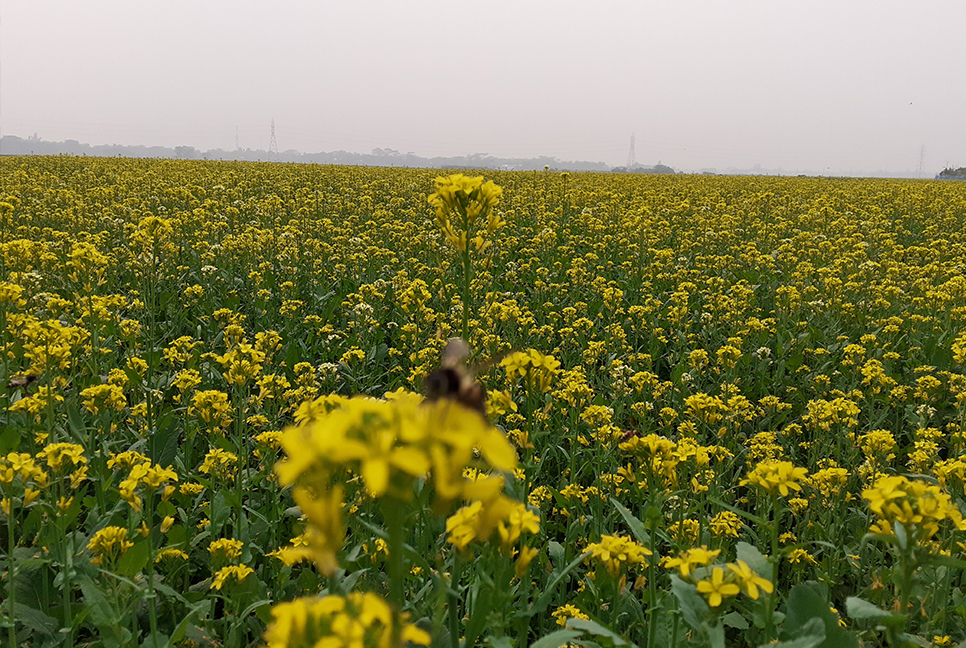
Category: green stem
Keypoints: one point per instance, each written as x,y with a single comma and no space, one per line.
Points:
907,565
188,440
772,598
467,270
523,624
95,343
652,590
11,578
242,450
152,336
64,542
453,594
394,513
152,612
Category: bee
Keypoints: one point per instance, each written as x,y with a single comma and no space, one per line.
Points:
456,380
22,381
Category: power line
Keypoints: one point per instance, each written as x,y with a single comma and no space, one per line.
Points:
273,145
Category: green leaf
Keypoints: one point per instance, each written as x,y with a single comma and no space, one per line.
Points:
104,615
807,610
915,640
861,609
947,561
177,537
807,641
735,620
499,642
804,605
840,638
693,607
902,537
219,512
255,607
556,552
556,639
480,615
35,619
182,628
715,634
9,440
134,559
636,526
754,559
881,537
594,628
169,591
156,640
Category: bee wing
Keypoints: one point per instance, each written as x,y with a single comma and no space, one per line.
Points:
456,353
484,366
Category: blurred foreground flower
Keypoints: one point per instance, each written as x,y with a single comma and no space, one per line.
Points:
359,620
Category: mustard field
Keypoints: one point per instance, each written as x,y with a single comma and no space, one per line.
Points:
720,411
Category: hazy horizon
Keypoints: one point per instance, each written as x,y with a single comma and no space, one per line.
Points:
820,87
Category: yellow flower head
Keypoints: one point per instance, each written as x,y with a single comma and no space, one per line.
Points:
461,201
614,551
687,560
776,477
108,544
916,504
236,572
716,588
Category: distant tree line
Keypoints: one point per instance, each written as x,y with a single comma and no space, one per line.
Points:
953,174
12,145
657,168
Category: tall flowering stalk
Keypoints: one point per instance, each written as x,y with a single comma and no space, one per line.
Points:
910,513
21,480
465,215
776,480
148,480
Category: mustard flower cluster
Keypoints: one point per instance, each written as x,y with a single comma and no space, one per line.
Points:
357,620
920,507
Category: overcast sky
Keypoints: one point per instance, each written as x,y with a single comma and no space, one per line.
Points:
837,87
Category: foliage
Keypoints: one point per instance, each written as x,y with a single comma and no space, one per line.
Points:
740,404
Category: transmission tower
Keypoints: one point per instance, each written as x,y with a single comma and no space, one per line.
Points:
631,158
273,145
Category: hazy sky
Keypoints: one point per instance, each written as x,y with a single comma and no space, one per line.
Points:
822,86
